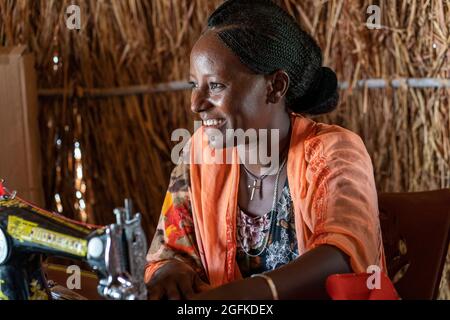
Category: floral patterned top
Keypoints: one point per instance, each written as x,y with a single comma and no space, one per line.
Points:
256,253
174,237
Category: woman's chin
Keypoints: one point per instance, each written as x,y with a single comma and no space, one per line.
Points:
219,143
216,137
216,143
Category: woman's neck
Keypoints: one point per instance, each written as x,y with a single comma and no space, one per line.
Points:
264,156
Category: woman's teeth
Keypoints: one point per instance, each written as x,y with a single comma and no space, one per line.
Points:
212,122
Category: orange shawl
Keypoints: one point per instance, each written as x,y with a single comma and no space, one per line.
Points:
331,181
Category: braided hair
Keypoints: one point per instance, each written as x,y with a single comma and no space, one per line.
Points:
266,39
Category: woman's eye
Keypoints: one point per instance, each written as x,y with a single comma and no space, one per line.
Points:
216,86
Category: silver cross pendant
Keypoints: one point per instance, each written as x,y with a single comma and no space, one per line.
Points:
256,185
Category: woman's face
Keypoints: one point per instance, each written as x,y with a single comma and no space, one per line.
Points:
226,94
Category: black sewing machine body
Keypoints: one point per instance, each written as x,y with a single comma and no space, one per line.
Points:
27,234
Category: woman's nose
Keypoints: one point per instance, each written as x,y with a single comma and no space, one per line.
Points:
199,101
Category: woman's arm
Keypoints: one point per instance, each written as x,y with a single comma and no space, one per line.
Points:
303,278
174,269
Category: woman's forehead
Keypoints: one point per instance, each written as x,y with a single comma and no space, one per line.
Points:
209,54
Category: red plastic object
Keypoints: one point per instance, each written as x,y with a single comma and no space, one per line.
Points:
2,190
355,287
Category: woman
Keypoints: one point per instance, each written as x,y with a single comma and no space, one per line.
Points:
241,230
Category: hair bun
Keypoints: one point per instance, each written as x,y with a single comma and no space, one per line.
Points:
321,97
266,38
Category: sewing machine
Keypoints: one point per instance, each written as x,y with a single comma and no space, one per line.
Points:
28,234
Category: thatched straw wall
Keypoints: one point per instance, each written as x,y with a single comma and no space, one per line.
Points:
125,141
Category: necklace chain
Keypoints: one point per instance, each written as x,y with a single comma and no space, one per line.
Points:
260,178
272,213
257,181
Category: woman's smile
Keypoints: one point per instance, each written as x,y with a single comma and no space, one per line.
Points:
214,123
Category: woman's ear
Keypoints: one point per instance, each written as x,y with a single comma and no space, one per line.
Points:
278,85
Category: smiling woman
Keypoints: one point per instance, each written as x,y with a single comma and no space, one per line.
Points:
242,231
241,95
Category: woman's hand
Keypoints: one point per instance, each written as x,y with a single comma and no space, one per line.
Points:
174,281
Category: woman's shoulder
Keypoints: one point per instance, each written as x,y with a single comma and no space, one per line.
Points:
331,133
179,178
332,140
